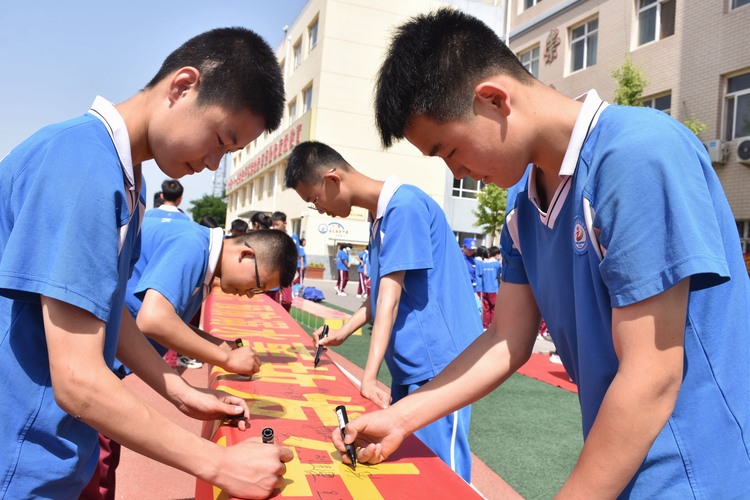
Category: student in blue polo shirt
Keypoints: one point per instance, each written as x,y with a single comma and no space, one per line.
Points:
488,274
171,197
617,230
62,291
420,290
174,274
342,269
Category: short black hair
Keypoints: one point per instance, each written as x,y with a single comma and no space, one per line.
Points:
307,161
262,219
494,250
158,200
211,222
278,216
433,64
239,225
238,69
276,250
171,190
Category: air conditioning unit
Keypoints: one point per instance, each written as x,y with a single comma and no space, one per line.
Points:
716,150
743,151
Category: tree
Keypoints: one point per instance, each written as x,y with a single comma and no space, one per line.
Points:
490,211
631,81
215,206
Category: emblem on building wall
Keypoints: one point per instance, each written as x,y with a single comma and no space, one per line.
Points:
550,50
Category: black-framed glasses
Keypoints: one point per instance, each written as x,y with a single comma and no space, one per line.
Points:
258,289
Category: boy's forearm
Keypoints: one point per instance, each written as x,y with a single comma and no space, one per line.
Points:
87,389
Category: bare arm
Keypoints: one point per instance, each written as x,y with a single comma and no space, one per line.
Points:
484,365
84,387
649,342
389,296
337,337
158,319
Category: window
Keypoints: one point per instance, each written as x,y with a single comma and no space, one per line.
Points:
662,103
739,3
297,53
292,111
743,227
307,100
527,4
466,187
271,182
312,32
530,61
737,107
655,20
583,42
260,187
282,175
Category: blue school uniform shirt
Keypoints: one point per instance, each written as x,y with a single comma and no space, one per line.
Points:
436,317
471,266
342,260
639,210
167,212
487,273
69,217
178,260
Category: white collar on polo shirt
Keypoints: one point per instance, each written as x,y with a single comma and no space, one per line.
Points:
118,131
214,252
390,186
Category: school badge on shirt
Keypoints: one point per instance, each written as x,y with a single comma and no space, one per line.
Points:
580,239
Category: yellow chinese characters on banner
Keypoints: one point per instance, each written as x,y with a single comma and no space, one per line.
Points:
298,402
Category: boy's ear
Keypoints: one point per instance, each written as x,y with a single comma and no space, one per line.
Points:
332,174
494,95
184,80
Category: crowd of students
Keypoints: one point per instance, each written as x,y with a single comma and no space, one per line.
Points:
617,232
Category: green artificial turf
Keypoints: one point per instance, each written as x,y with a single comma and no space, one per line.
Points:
526,431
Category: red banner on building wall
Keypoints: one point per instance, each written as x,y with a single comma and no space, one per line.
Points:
298,402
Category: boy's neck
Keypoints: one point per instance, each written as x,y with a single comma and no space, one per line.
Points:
135,113
365,192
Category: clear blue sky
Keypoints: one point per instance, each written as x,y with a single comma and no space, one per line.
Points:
56,56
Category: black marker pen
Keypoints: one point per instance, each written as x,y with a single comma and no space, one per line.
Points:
322,335
267,435
351,451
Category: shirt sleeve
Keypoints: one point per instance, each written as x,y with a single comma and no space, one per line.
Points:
512,268
406,243
66,206
655,213
176,270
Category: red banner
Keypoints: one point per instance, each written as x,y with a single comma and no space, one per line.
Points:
298,402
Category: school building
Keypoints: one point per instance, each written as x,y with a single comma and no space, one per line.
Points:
330,58
694,56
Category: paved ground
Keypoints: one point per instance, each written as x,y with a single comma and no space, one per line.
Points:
350,302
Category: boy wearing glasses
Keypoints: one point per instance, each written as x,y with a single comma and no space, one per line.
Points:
173,276
420,290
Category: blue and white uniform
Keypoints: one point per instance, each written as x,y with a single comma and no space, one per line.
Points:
178,260
167,212
69,219
432,326
639,210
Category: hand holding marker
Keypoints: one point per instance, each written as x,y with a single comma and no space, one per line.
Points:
351,451
323,335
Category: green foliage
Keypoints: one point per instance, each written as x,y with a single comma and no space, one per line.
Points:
315,264
215,206
695,125
490,211
631,81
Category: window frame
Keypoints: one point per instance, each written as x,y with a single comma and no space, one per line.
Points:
730,106
658,27
297,54
307,103
736,5
312,35
586,39
460,191
653,102
529,65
